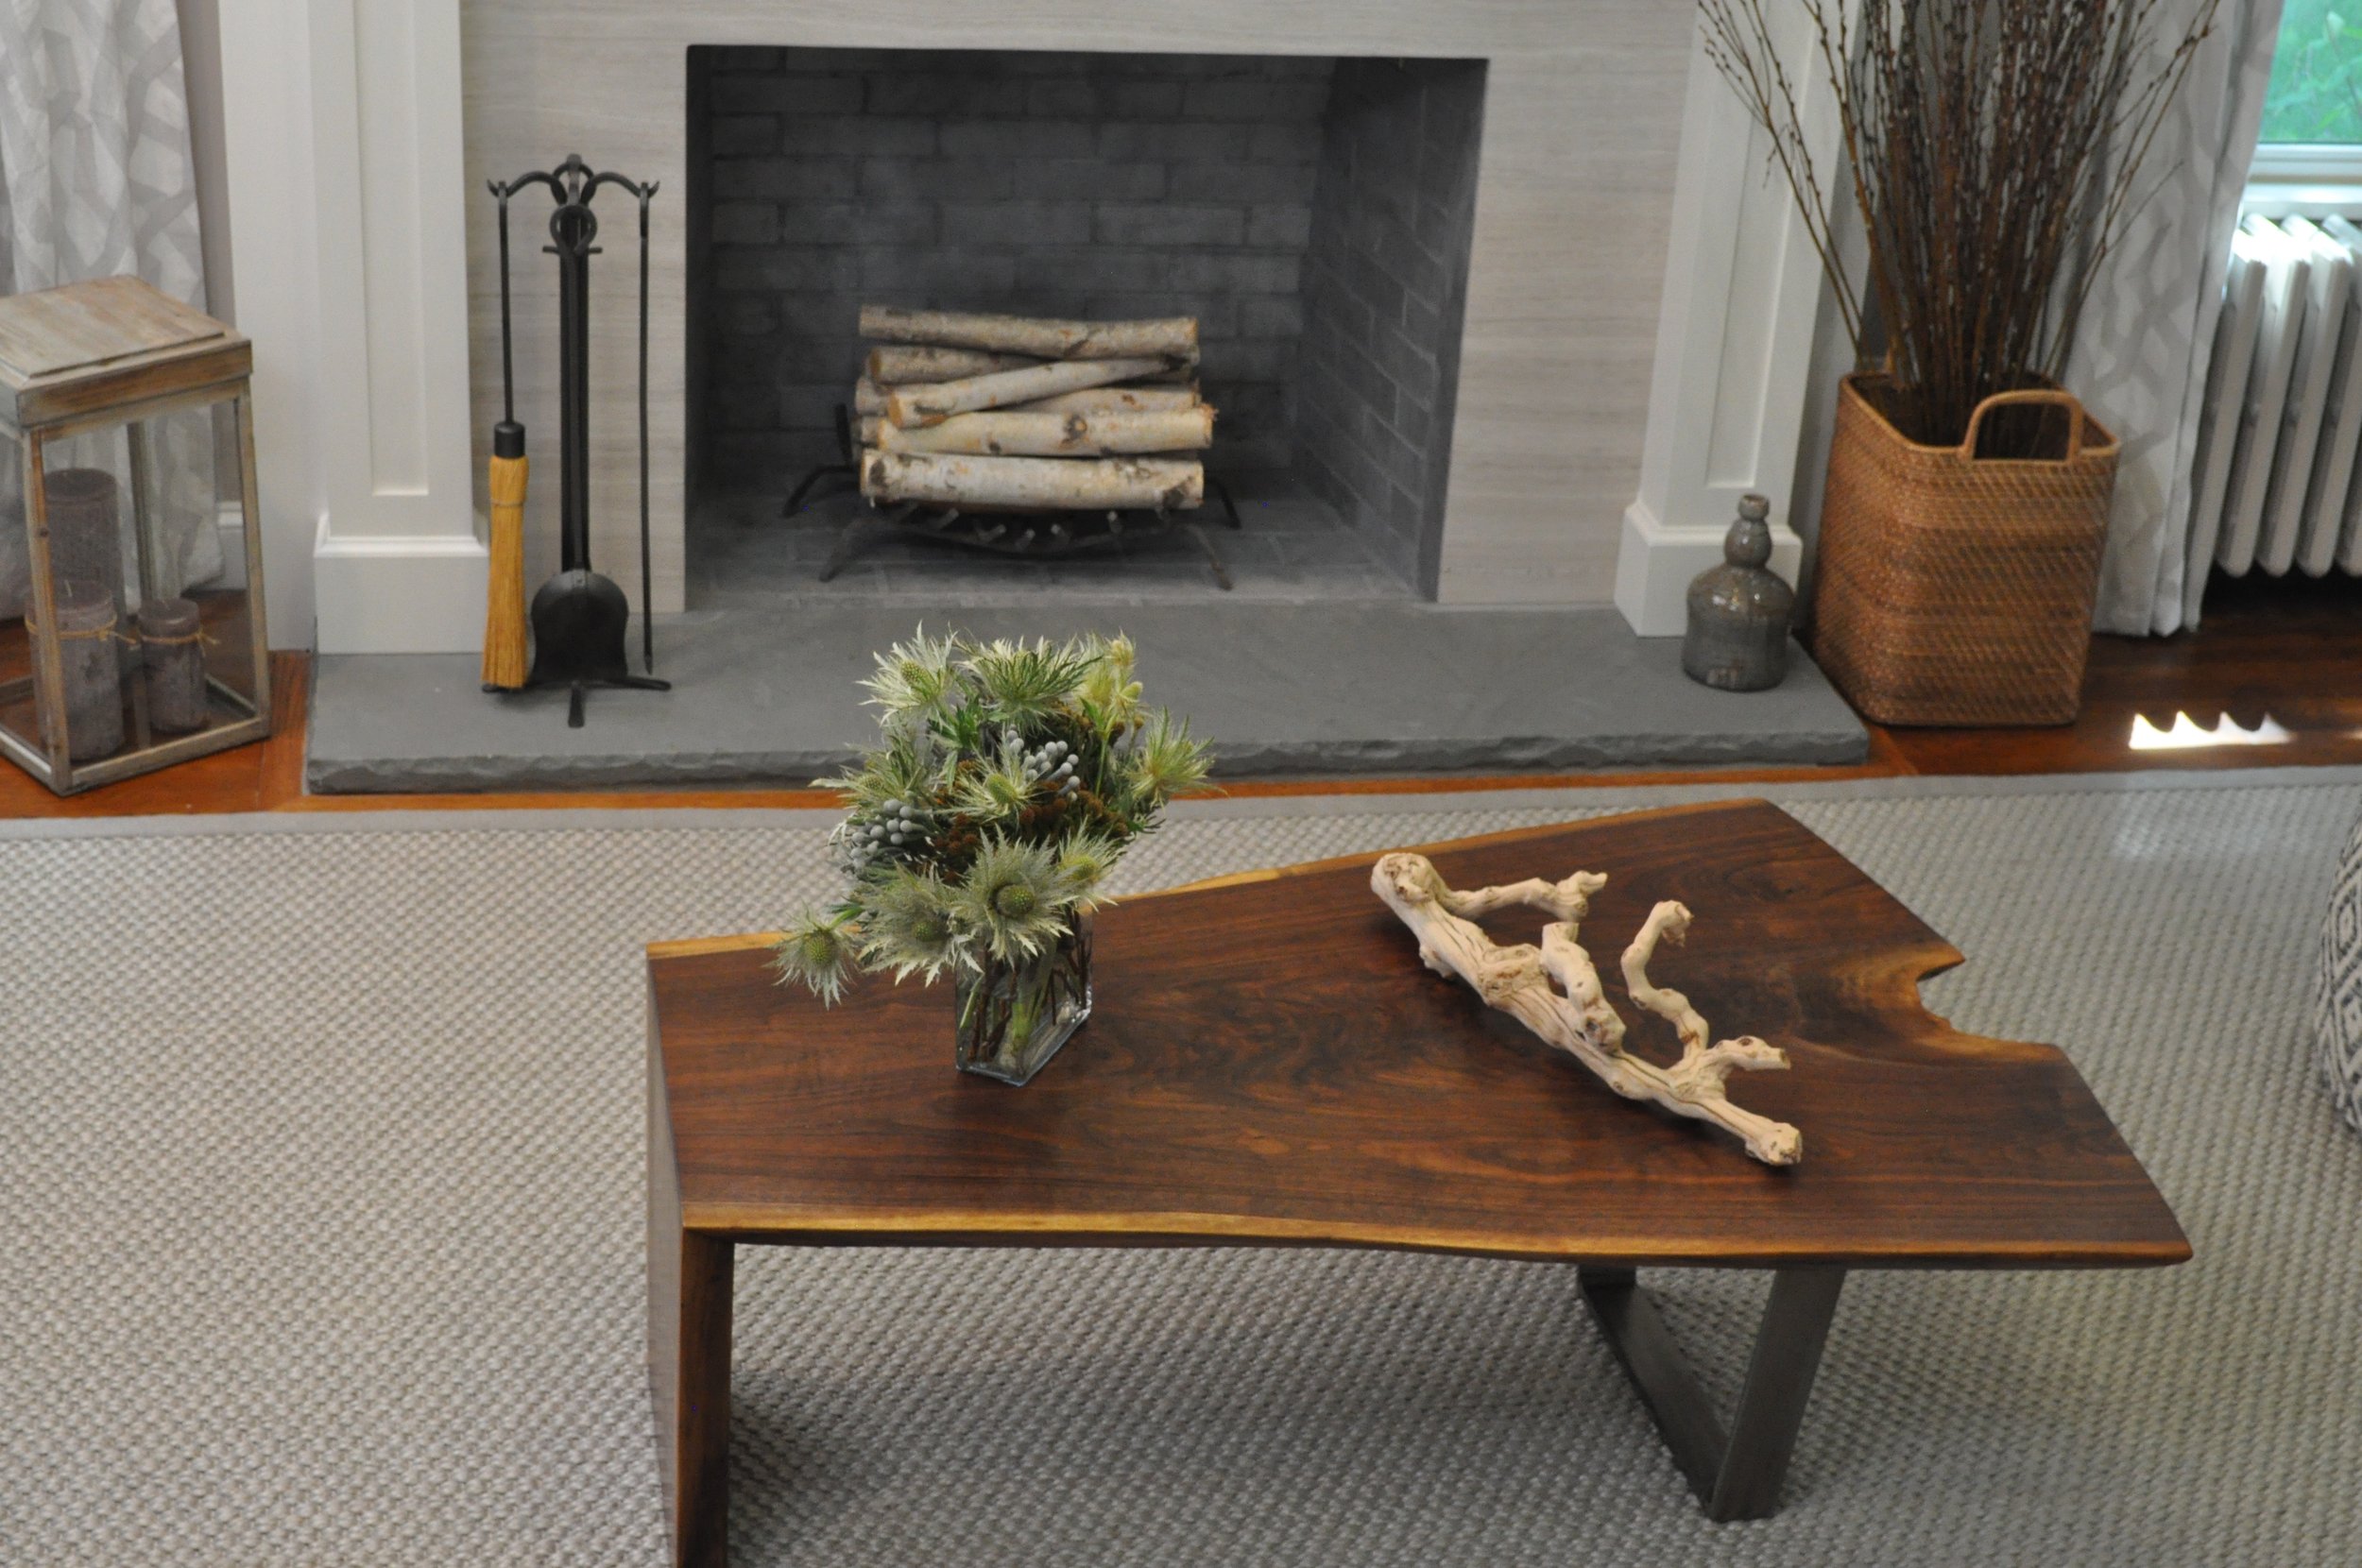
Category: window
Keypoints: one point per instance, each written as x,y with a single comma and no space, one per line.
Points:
2312,109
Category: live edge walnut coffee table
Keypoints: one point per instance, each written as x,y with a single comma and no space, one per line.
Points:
1270,1065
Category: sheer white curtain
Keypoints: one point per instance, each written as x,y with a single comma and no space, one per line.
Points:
97,179
2142,347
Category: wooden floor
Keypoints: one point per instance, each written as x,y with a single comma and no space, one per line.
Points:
2283,654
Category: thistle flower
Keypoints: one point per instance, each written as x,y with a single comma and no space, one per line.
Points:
817,953
1163,763
1012,899
916,680
1002,788
1108,691
1086,859
1022,682
909,927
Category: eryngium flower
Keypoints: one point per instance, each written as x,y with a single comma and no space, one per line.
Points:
816,951
1013,901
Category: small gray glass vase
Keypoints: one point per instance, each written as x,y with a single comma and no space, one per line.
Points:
1736,639
1013,1016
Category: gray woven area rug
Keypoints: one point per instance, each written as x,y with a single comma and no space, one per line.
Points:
320,1166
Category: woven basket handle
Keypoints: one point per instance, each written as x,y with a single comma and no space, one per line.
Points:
2032,394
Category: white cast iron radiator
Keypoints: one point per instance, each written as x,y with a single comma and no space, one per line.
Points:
2273,482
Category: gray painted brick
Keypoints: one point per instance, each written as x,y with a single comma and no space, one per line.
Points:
744,316
1247,271
1173,144
790,94
937,280
1287,227
1165,223
945,178
859,222
935,95
741,269
1271,315
743,135
1104,269
725,57
745,223
1272,183
1016,139
1017,222
861,136
1058,99
817,315
1285,141
1092,179
736,179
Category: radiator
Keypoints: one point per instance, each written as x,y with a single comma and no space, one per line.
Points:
2272,480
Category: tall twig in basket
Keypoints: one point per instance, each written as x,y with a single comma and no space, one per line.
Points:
1993,148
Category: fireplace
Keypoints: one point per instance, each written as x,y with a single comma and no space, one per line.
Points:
1313,213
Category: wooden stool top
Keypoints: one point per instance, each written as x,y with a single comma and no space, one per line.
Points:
1268,1062
84,347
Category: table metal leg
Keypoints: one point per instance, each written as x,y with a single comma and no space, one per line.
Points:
1736,1473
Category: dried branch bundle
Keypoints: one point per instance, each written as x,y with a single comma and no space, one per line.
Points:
1993,148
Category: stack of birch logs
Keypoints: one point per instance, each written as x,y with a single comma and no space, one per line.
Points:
1012,412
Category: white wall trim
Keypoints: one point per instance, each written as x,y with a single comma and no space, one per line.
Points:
347,190
1734,356
399,593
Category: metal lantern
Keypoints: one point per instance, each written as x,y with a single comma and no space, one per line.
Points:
131,549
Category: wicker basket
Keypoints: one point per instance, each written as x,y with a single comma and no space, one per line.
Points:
1954,590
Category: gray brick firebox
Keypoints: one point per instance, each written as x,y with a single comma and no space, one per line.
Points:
1314,214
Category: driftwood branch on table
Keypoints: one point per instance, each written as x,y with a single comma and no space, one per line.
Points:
1160,483
1573,1014
1173,338
932,402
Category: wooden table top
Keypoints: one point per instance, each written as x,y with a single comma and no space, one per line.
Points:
1268,1062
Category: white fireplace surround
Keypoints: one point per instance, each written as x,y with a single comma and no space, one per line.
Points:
1640,315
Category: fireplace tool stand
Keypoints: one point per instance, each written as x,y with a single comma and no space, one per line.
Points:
1037,534
579,617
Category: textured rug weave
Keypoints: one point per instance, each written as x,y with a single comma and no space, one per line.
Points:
321,1175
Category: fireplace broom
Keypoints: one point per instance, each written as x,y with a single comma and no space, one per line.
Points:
504,600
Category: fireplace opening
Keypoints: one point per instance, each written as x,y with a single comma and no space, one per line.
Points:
1313,213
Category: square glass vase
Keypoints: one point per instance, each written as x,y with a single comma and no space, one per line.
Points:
1013,1016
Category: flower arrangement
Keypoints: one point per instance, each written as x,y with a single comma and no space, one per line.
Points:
1009,780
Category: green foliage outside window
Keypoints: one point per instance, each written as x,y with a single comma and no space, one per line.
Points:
2316,92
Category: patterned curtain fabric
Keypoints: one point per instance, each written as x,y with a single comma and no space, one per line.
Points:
97,179
2142,347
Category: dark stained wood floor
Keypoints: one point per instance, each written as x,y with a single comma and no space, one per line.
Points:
2289,652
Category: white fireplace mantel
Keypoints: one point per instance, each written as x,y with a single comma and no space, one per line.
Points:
348,193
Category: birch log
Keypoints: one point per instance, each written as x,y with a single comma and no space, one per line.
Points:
1001,433
868,397
899,364
1163,484
1173,338
1112,400
932,402
1577,1019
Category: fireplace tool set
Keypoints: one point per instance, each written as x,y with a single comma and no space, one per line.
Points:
578,618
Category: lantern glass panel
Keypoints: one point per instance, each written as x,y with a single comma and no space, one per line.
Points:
149,568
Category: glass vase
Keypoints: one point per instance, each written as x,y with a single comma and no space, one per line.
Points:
1013,1018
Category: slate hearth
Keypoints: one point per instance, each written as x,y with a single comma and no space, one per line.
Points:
768,696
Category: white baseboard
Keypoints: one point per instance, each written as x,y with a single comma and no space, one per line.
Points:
1657,561
399,594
